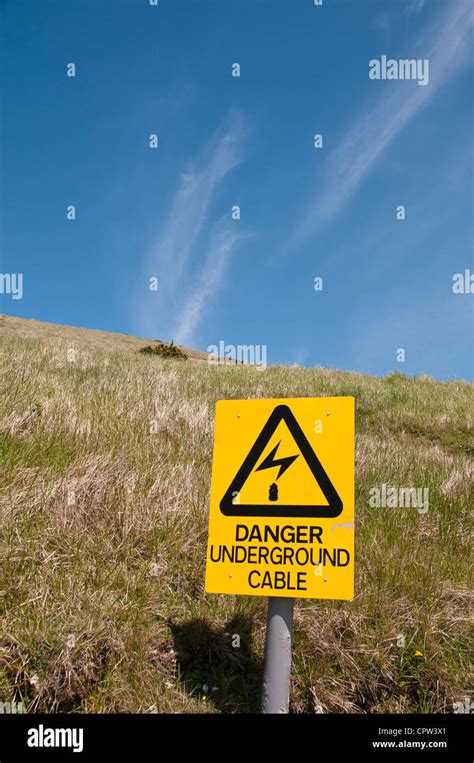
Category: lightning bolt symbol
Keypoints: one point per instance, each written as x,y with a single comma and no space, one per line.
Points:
270,461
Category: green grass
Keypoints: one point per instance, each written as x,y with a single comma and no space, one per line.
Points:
104,530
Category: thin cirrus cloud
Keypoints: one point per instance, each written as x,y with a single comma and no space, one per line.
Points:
175,246
222,242
415,7
445,44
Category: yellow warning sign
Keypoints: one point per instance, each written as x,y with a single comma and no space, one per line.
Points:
281,519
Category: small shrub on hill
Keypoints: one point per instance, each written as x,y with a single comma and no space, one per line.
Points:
164,350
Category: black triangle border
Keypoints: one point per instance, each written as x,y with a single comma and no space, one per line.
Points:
335,505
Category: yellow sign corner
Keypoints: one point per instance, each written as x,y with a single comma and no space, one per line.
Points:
281,519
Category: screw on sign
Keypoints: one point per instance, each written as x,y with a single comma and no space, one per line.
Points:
278,485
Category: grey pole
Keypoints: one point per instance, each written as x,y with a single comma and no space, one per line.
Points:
276,676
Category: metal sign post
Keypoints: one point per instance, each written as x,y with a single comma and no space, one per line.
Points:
281,518
276,676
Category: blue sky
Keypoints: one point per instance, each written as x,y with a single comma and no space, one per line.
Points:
247,141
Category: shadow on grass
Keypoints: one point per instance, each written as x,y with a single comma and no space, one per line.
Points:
216,665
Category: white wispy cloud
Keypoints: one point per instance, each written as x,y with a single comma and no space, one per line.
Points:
172,251
415,6
194,195
445,44
222,242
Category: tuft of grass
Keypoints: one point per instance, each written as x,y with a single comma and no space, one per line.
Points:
105,470
164,350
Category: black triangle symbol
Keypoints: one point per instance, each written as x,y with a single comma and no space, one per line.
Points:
332,509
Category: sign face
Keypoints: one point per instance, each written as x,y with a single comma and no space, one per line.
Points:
281,519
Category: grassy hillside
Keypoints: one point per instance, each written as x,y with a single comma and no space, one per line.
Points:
15,328
104,528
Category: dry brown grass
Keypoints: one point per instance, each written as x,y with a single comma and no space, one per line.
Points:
105,474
